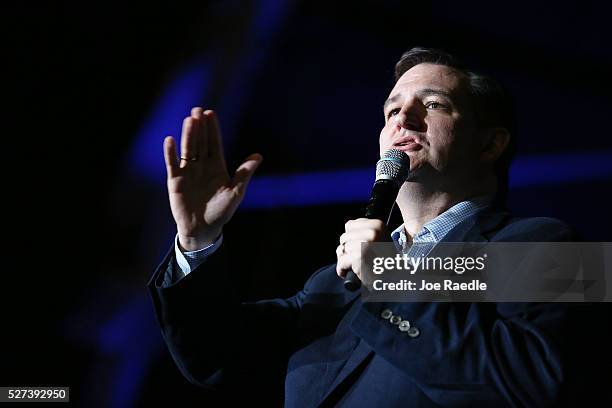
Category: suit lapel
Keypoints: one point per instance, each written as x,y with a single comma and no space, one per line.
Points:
357,359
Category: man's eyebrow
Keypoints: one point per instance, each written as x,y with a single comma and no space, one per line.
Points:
436,92
421,93
390,101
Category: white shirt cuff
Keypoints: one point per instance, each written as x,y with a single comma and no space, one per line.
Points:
190,260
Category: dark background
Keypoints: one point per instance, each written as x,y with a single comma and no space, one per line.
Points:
94,87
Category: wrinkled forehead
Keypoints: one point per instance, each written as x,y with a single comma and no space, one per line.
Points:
431,76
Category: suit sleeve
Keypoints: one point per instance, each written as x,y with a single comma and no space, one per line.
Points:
215,339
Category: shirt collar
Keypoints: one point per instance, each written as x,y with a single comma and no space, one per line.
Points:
436,229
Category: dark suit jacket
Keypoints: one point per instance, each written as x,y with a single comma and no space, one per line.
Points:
335,350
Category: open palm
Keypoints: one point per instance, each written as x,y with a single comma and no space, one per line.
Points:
203,197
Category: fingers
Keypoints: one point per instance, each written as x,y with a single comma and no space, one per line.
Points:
343,264
214,145
245,171
360,235
172,164
364,230
189,140
202,137
364,223
349,256
347,261
197,113
351,249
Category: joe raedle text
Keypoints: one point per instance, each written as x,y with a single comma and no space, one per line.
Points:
423,285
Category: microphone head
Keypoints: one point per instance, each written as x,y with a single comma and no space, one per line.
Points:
394,165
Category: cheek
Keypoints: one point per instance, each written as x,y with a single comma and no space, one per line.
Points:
442,146
453,147
385,138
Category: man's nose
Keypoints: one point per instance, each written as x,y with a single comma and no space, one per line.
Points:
412,116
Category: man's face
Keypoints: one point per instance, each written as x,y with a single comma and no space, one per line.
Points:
428,115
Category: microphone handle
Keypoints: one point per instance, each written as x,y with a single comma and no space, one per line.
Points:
382,198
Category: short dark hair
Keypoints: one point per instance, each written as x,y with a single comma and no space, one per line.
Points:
492,104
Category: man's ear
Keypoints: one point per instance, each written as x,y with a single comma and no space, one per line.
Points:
495,142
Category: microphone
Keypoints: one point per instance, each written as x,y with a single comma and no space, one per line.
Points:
391,172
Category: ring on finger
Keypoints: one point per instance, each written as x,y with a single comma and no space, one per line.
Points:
195,158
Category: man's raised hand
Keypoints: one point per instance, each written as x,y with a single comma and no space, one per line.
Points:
202,195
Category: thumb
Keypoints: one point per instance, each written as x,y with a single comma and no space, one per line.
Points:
245,171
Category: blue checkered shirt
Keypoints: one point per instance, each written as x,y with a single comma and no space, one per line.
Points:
433,231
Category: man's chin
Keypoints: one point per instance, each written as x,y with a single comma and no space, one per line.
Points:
416,172
421,173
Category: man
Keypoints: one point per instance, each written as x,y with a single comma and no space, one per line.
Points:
332,348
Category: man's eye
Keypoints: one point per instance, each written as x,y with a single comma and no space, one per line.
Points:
393,112
434,105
